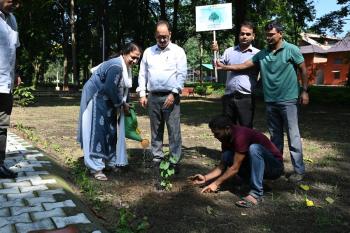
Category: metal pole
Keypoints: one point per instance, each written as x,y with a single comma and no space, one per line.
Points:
215,58
103,42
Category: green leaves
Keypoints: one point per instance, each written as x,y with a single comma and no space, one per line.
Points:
164,165
23,96
166,171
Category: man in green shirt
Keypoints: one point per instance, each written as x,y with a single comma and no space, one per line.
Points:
278,65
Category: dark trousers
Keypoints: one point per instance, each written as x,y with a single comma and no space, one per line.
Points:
239,108
6,103
159,117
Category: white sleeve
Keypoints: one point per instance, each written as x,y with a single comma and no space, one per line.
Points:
142,80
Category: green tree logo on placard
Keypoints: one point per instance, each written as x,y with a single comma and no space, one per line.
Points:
214,16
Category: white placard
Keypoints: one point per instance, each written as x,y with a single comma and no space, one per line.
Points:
214,17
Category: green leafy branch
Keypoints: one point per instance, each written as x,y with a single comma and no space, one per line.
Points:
167,171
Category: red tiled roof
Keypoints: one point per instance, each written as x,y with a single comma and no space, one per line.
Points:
341,46
312,49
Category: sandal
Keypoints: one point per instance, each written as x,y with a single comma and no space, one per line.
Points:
100,176
246,203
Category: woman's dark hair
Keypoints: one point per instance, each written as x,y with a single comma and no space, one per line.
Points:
129,47
220,122
274,24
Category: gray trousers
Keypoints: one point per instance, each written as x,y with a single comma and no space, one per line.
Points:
158,118
284,115
6,103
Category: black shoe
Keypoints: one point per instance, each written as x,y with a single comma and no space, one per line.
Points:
7,173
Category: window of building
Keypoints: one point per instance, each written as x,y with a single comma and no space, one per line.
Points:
336,74
338,60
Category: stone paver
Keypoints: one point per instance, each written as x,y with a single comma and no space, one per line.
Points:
19,196
28,203
64,221
7,229
15,219
46,224
58,212
67,203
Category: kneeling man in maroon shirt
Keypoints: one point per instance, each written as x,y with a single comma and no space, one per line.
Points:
245,152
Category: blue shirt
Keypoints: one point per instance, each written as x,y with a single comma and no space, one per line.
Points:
240,81
8,44
162,70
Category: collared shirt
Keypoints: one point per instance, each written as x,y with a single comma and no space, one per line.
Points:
8,44
278,72
240,81
162,70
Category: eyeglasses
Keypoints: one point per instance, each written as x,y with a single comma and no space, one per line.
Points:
163,37
245,33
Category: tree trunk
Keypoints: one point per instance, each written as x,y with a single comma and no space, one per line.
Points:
240,7
162,10
74,44
36,66
175,19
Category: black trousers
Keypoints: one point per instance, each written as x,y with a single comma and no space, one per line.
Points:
239,108
6,103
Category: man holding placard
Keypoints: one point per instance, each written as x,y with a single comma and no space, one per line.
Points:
238,102
278,65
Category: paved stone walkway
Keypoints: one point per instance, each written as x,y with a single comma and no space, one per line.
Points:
34,200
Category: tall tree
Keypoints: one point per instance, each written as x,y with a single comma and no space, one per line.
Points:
334,21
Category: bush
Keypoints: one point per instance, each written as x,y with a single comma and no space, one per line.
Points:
23,96
200,90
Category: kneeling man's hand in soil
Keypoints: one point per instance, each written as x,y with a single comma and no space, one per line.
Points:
197,179
213,187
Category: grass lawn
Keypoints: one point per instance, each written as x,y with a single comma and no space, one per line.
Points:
51,125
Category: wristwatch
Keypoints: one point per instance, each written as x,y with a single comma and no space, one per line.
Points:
306,90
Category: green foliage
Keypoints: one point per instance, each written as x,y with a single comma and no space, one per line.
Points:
23,96
340,95
28,132
200,90
81,178
167,171
129,223
209,88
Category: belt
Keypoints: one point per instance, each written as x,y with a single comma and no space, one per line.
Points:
239,95
160,93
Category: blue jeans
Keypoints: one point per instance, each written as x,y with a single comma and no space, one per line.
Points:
262,164
284,115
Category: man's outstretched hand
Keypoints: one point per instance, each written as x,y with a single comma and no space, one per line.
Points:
197,179
210,188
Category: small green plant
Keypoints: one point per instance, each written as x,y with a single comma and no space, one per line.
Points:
200,90
209,90
56,147
28,132
129,223
83,181
167,171
23,96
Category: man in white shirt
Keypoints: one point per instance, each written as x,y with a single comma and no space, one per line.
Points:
8,44
163,72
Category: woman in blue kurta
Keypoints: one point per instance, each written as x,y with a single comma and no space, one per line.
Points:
102,97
